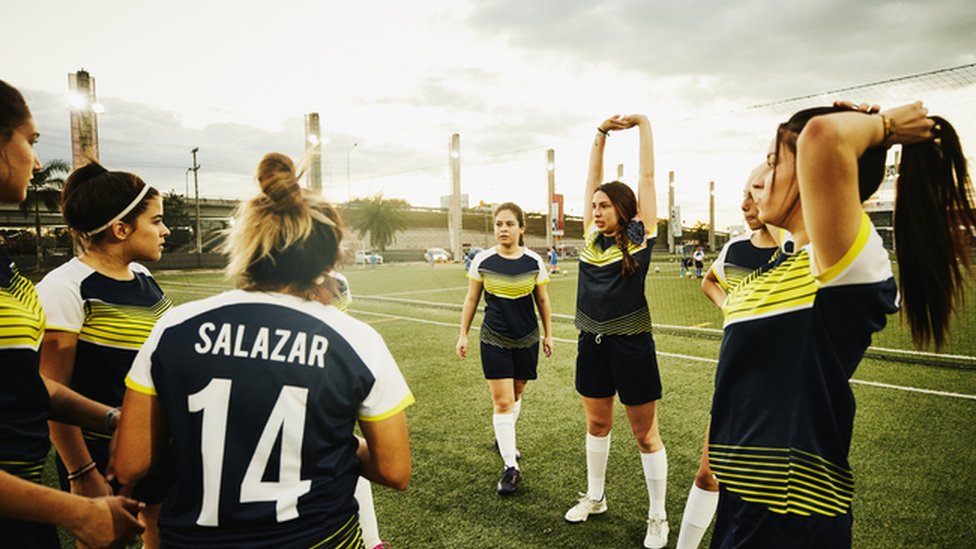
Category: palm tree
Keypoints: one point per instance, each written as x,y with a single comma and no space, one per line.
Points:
382,219
45,187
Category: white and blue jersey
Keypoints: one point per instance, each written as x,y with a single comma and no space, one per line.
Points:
509,284
261,392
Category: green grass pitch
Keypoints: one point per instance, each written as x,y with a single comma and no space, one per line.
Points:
912,451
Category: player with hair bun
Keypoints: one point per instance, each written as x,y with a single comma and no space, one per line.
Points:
257,390
100,307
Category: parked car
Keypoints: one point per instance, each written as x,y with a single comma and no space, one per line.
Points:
437,255
368,258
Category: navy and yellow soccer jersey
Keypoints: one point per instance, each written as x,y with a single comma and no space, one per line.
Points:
738,258
783,409
607,302
24,402
342,296
261,392
509,285
111,317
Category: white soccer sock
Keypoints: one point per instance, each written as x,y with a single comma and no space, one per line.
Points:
505,436
597,452
699,511
367,513
516,410
656,475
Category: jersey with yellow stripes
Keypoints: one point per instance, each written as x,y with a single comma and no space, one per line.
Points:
24,402
738,258
783,410
509,285
111,317
606,301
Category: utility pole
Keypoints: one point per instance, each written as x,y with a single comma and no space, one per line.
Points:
551,189
671,227
454,214
313,151
196,191
711,215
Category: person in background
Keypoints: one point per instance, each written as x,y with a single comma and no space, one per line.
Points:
699,261
29,510
553,260
267,375
739,257
514,280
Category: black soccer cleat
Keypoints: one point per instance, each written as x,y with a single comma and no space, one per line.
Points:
509,482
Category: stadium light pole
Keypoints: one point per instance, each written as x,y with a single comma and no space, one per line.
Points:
454,213
711,215
551,189
196,191
671,228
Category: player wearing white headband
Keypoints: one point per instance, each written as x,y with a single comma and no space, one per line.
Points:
100,308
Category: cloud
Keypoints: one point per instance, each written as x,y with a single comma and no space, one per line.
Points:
748,50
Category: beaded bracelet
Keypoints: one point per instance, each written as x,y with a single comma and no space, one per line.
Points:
606,133
81,472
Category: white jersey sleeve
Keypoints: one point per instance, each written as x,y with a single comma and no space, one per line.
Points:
60,296
389,394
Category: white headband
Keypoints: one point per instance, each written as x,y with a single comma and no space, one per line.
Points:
135,202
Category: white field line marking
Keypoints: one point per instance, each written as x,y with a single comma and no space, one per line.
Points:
683,357
199,289
411,292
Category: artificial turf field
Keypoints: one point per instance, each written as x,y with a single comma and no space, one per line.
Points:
912,451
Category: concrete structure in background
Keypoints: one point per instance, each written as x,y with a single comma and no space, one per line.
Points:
551,216
84,122
313,151
454,212
671,212
711,216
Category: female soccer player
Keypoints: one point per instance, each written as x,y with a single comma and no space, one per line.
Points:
616,350
336,292
783,407
27,399
514,279
100,307
739,257
256,391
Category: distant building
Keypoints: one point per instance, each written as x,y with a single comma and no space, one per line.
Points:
446,201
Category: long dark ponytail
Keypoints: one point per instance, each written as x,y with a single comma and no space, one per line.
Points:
625,203
934,221
934,224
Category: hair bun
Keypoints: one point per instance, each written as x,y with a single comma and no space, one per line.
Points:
276,175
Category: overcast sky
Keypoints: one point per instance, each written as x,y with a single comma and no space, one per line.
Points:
513,77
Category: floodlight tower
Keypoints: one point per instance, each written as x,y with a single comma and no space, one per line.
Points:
454,213
84,123
313,150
